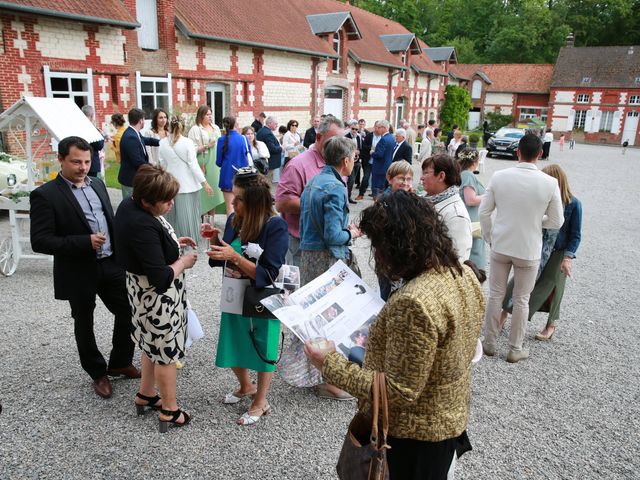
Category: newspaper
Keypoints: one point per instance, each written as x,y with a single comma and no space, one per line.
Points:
338,305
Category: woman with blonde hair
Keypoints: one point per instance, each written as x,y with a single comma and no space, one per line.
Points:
178,155
204,134
556,264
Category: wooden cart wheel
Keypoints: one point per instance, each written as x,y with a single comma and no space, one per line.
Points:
8,262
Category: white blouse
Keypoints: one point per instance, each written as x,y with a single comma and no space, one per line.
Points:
180,161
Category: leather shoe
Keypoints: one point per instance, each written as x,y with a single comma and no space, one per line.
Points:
360,197
129,372
514,356
102,387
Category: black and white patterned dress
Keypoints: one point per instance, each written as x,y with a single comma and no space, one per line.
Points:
159,319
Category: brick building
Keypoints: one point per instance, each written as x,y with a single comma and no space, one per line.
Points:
322,56
595,92
520,90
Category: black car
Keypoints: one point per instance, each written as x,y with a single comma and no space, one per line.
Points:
505,142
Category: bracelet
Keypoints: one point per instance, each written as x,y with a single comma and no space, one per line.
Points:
239,259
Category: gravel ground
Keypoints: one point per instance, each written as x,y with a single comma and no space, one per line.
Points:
570,411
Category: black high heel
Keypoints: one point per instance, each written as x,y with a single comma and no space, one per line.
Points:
175,415
152,403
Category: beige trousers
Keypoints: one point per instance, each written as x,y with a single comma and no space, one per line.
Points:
524,279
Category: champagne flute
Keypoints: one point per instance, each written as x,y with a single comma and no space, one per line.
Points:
208,230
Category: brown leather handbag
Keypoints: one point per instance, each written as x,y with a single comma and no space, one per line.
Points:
364,450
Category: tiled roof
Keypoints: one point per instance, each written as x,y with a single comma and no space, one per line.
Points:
280,24
616,67
109,12
441,54
423,64
509,77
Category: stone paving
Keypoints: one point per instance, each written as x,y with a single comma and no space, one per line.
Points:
570,411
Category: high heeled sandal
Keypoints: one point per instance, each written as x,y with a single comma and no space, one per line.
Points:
248,419
545,338
152,403
173,421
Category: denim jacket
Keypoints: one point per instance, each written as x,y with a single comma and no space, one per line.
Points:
570,233
324,214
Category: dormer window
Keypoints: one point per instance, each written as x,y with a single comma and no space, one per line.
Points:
586,79
336,47
147,16
476,89
583,98
404,62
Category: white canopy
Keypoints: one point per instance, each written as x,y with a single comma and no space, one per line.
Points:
60,116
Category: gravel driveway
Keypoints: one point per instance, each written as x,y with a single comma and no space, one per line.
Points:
570,411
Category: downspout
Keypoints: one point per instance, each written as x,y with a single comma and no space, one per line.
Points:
315,86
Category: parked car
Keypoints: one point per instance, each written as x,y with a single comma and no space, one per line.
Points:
505,142
12,170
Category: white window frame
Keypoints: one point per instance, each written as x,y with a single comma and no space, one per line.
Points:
147,16
634,100
580,119
336,46
527,113
139,94
403,73
606,121
88,77
364,95
582,98
476,89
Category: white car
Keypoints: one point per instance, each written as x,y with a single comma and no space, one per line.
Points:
10,169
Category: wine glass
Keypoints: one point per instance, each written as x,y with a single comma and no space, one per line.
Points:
208,229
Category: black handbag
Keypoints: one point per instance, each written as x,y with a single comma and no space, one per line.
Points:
251,306
262,165
363,455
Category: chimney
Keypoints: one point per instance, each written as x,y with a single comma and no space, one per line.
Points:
569,40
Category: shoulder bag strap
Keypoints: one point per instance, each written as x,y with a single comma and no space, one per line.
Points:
173,147
375,397
249,155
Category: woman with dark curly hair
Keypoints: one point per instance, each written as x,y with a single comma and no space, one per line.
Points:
423,339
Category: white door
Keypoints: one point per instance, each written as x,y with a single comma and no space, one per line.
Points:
333,102
399,111
474,120
630,128
216,99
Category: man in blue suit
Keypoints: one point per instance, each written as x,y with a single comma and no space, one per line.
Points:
381,156
132,151
266,135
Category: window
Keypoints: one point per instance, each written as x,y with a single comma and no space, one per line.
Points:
364,95
580,118
76,86
476,89
606,121
543,114
526,113
586,79
583,98
147,16
336,46
403,73
634,100
153,92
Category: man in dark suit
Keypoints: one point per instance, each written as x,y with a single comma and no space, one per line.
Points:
365,160
310,134
267,136
381,157
402,149
354,135
132,151
72,219
258,122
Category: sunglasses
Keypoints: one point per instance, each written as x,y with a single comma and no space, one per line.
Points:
294,124
354,129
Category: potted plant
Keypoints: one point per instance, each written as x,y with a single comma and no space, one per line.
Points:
474,138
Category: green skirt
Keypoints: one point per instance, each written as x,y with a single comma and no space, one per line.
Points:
548,291
212,174
235,348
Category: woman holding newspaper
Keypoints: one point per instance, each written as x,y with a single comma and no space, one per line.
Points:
423,339
253,248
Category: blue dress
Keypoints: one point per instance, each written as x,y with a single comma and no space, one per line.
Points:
233,158
478,250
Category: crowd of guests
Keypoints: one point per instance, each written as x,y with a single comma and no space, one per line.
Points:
429,253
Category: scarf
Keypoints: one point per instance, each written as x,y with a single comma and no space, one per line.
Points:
448,193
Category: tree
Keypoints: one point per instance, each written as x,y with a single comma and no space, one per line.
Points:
456,107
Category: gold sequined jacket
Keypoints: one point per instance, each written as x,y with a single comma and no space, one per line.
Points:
423,340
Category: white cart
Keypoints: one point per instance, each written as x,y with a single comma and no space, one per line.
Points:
41,122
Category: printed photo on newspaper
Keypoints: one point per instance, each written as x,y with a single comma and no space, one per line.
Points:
338,305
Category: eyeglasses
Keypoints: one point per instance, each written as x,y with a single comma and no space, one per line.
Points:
294,124
403,179
354,129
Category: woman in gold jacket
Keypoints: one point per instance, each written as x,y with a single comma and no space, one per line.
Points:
423,339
